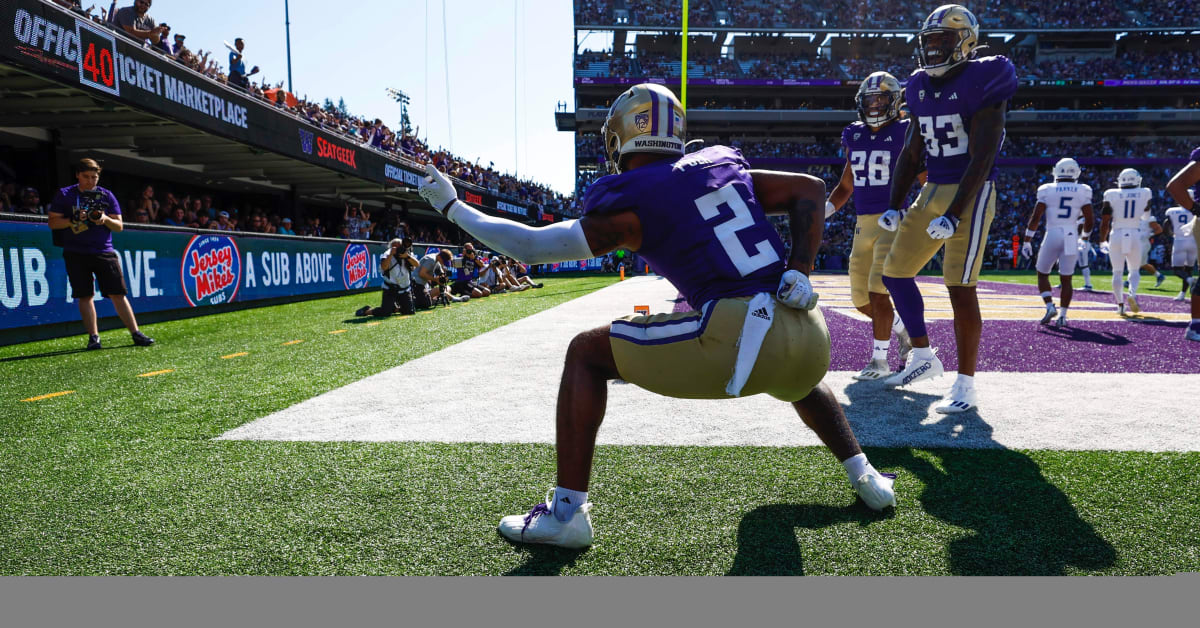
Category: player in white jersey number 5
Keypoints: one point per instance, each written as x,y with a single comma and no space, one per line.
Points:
1063,202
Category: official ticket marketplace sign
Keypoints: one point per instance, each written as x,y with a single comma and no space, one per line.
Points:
60,45
170,270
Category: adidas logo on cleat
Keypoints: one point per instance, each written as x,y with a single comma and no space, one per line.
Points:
917,373
761,313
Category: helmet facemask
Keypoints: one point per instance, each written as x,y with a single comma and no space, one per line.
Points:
878,108
941,49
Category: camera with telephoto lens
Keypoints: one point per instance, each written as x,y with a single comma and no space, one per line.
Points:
92,206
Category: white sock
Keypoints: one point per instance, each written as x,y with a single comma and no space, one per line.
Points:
879,349
923,353
1087,275
856,466
566,502
1062,311
967,381
897,325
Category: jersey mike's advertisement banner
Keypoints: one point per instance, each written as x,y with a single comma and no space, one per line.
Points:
177,270
70,49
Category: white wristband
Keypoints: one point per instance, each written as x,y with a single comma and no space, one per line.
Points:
1029,233
1085,234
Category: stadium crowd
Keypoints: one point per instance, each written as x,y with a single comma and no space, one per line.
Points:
136,23
1125,64
883,14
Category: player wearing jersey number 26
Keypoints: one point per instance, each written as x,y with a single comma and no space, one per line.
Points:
700,221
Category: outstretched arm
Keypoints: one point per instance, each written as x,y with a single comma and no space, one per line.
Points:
1179,184
591,236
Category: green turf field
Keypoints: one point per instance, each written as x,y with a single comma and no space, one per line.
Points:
122,476
1102,282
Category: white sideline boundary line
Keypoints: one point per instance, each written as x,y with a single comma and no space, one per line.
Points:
1077,411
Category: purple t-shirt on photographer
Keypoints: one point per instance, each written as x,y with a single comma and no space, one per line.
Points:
90,238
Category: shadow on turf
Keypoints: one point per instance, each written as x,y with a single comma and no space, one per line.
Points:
766,539
543,560
51,354
1082,335
1021,524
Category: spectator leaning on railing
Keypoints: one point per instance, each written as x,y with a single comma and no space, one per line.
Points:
136,21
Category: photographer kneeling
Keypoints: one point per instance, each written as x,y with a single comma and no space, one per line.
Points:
83,218
430,280
467,270
395,264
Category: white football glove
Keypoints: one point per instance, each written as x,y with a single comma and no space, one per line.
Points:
942,227
1027,249
1104,247
437,190
829,210
796,292
1084,245
890,219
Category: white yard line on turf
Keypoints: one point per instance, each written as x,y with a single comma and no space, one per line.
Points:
1019,410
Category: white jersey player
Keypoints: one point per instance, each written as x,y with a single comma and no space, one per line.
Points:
1064,202
1121,217
1086,253
1182,225
1147,230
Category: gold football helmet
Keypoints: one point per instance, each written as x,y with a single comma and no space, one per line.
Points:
879,93
948,38
647,118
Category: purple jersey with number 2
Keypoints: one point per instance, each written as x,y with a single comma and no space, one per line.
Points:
702,227
943,109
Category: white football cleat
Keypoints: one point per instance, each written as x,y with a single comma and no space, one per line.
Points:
960,399
1133,304
1062,320
1120,309
1181,296
1088,287
541,526
876,490
1159,279
875,369
1192,334
917,370
1050,314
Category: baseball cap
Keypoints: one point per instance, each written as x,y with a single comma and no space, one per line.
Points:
287,220
223,214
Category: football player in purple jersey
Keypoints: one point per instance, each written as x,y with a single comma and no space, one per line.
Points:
1189,177
957,103
701,221
871,146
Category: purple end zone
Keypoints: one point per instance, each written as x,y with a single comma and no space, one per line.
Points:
1017,346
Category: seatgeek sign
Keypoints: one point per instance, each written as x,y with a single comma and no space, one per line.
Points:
169,270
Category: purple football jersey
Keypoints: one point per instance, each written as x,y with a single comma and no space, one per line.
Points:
702,227
92,238
871,156
944,108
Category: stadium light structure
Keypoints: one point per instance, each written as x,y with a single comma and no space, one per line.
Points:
287,29
404,100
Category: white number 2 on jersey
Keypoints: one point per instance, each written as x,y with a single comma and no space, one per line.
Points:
955,135
726,232
875,167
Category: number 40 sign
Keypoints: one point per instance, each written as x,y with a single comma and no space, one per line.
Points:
97,58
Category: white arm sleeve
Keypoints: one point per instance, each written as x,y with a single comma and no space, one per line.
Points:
559,242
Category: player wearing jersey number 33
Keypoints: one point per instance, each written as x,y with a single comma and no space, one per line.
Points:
701,221
957,102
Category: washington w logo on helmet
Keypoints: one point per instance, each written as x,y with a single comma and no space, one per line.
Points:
647,118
